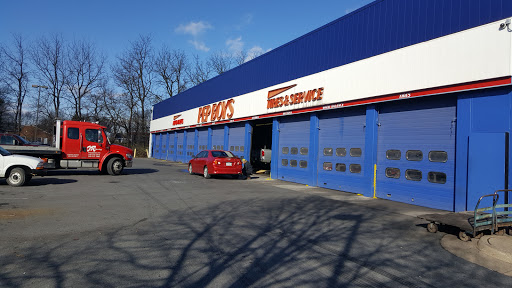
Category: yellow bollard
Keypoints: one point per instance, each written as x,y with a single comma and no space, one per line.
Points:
375,181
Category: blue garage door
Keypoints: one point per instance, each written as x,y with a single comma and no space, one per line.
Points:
341,150
180,155
158,144
171,146
294,149
202,140
191,149
163,149
218,137
416,152
237,138
153,145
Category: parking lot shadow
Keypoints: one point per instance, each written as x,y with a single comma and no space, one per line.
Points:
70,172
42,181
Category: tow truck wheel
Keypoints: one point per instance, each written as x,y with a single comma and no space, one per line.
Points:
17,177
115,166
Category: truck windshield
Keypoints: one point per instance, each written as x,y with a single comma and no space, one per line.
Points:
23,140
4,152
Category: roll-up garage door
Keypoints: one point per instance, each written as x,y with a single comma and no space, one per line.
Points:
153,145
416,151
191,135
294,149
158,144
341,150
163,149
218,137
180,153
202,140
171,146
237,138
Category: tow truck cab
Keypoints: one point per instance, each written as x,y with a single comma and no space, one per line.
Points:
85,145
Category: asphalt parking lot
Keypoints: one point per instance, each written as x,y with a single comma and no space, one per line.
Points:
157,226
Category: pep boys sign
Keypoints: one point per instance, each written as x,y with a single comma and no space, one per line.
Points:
215,112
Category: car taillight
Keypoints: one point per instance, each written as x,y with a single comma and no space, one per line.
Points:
262,153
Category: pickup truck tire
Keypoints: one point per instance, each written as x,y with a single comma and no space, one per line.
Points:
115,166
17,177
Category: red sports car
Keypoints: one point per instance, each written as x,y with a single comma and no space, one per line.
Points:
215,162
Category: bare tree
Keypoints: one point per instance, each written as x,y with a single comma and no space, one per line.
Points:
3,109
15,70
134,73
124,78
114,110
244,56
200,72
48,55
221,62
171,67
240,57
85,69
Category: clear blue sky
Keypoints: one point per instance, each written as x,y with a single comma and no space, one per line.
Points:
197,27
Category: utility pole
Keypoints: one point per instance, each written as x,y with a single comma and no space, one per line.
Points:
37,108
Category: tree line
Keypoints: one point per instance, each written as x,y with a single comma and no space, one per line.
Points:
53,78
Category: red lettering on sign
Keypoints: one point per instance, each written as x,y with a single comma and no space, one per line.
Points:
216,112
295,98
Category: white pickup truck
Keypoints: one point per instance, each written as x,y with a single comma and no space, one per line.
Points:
19,169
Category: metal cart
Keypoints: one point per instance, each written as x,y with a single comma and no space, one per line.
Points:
474,223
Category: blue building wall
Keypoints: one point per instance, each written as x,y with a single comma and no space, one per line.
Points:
376,28
479,112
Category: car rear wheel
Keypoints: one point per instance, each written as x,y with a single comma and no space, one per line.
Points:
17,177
205,172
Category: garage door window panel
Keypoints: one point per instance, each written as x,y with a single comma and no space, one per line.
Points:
341,152
436,177
393,154
327,166
356,152
355,168
341,167
414,155
413,175
438,156
392,172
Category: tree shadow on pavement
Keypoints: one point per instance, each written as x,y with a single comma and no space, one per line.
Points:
282,242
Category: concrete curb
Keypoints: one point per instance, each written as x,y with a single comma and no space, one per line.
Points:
481,251
499,247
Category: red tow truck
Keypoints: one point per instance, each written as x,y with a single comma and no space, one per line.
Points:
78,145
